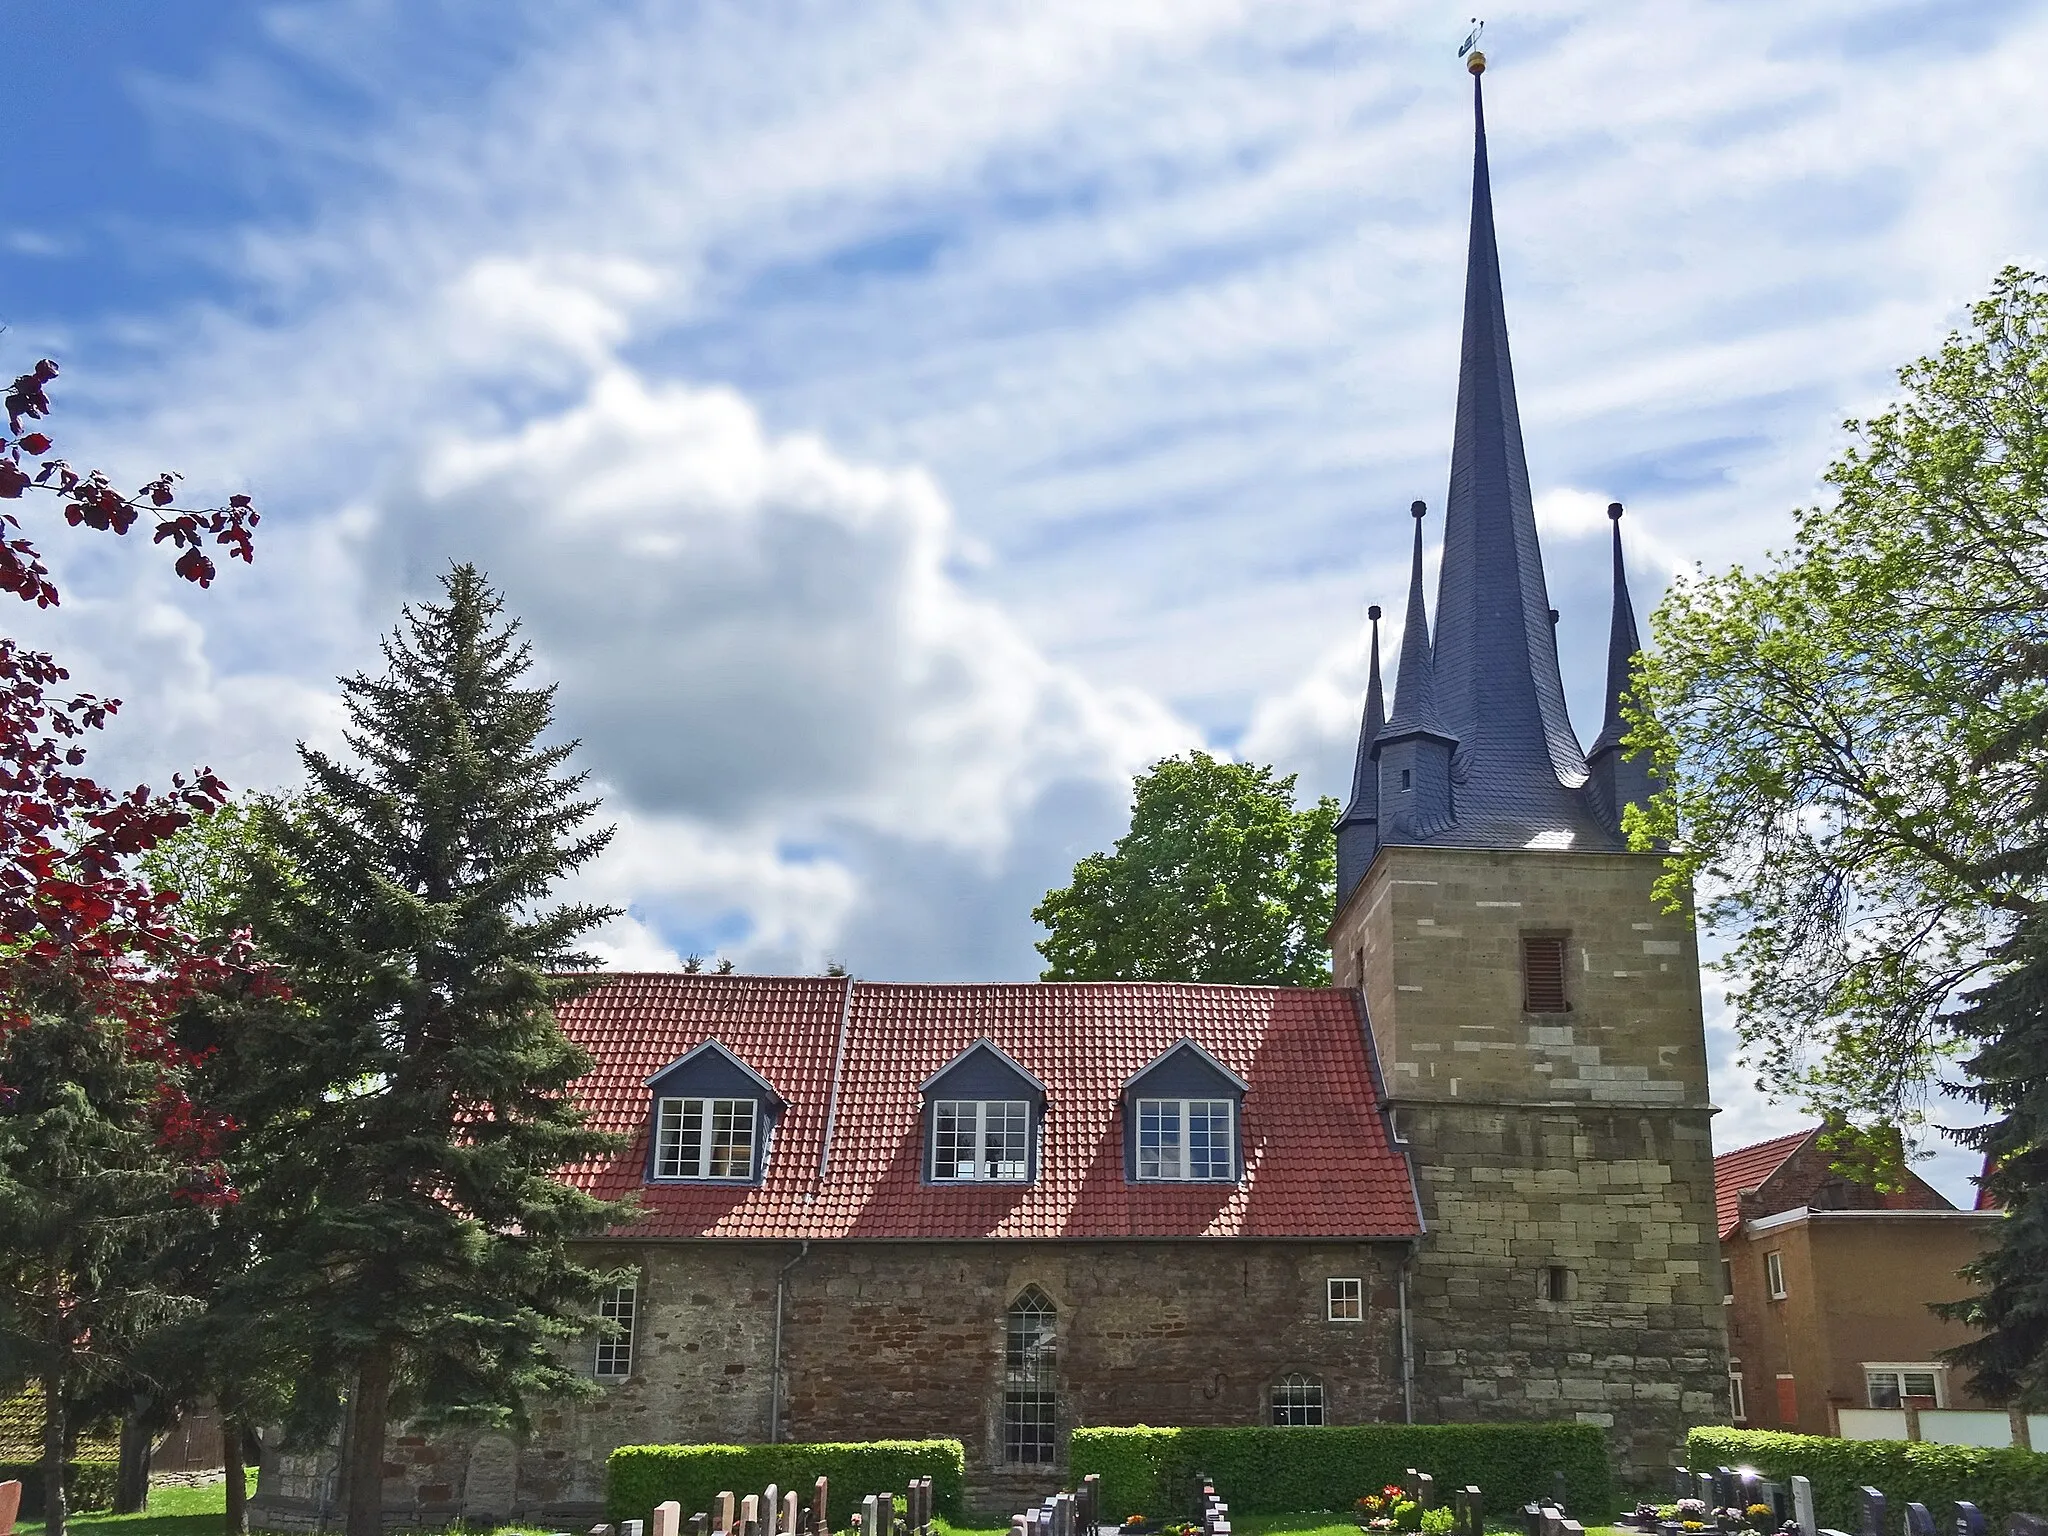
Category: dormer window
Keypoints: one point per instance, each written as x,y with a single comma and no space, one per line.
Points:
982,1116
1181,1119
704,1139
984,1139
713,1117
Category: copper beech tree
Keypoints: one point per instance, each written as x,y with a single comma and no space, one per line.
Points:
102,1148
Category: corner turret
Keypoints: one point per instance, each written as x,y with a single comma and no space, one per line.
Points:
1414,749
1358,833
1618,781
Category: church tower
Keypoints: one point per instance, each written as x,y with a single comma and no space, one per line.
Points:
1537,1014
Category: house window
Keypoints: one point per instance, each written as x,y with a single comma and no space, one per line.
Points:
615,1343
1186,1139
1774,1276
1557,1283
1030,1354
980,1139
1407,777
1347,1301
1888,1386
1297,1399
1735,1409
704,1139
1727,1282
1543,973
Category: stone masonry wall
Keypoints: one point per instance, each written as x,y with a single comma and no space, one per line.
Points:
885,1340
1575,1141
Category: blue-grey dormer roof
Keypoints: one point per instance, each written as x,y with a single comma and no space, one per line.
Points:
711,1069
983,1071
1184,1067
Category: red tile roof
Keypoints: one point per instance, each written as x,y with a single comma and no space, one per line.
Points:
1747,1168
1318,1162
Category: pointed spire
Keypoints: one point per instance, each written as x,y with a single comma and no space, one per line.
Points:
1497,679
1358,831
1622,646
1415,710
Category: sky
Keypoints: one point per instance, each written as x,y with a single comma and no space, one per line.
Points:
895,425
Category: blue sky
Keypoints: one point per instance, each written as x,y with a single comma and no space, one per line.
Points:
898,423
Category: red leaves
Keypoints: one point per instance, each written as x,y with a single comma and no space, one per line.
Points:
91,501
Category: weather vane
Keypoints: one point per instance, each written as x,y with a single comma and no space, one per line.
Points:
1471,46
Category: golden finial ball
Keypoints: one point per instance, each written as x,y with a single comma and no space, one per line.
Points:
1476,62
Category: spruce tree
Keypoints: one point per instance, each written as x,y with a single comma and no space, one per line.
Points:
2008,1360
411,1121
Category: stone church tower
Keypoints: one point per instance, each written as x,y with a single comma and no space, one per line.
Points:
1537,1015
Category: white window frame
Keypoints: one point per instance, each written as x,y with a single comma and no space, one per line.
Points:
677,1160
1774,1275
1347,1299
984,1169
1737,1408
1899,1370
619,1305
1174,1157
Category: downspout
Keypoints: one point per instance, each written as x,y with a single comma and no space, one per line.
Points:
1407,1340
775,1365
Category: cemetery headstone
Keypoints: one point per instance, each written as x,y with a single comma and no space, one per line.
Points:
1918,1521
630,1527
750,1516
1969,1519
668,1519
1727,1487
821,1520
1870,1512
1553,1520
1571,1528
721,1512
1682,1485
1704,1490
1773,1493
1409,1483
789,1514
600,1530
1475,1511
2021,1524
1802,1506
1532,1519
1557,1491
1425,1491
700,1524
10,1506
870,1516
771,1504
1017,1526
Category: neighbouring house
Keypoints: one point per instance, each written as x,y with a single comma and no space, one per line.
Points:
1471,1180
1826,1283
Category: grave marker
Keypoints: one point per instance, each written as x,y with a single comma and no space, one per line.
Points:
1969,1519
668,1519
1870,1512
1557,1491
630,1528
2022,1524
721,1513
821,1522
788,1524
1425,1490
1802,1506
700,1524
1918,1521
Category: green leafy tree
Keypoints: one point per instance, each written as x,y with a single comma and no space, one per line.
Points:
404,1145
1219,879
1826,726
1855,740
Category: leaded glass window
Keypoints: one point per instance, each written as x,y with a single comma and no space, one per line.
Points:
1030,1359
615,1345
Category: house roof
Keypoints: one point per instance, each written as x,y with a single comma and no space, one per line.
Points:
1318,1161
1747,1168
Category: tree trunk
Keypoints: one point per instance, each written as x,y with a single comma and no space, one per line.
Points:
131,1483
56,1441
236,1521
369,1406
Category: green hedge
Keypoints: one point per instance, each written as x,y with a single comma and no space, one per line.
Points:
1265,1471
638,1477
90,1485
1997,1482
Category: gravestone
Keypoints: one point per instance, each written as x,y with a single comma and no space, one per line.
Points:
1918,1521
1870,1513
1470,1520
870,1516
10,1506
721,1512
821,1521
600,1530
1727,1488
1532,1519
1682,1485
1557,1492
1745,1490
700,1524
750,1516
1802,1506
631,1527
1408,1482
668,1519
2020,1524
1017,1526
1703,1489
1969,1519
788,1526
771,1504
1425,1491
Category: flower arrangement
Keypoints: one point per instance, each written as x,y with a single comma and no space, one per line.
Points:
1690,1509
1133,1522
1385,1510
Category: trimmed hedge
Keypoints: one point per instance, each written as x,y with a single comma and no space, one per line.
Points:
90,1485
1268,1471
638,1477
1998,1482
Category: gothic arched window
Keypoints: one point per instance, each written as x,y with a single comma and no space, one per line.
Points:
1297,1399
1030,1358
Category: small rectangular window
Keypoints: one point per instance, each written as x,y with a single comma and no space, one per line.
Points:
1297,1400
1735,1410
1187,1139
1888,1386
1347,1301
1543,973
615,1345
1774,1276
1557,1283
1727,1282
704,1139
1407,778
981,1140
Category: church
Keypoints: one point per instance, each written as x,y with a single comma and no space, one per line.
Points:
1471,1179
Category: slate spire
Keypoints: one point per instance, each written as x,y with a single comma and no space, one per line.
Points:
1415,708
1497,684
1618,781
1358,832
